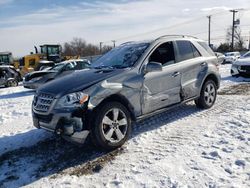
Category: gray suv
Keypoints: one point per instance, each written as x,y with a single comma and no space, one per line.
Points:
131,82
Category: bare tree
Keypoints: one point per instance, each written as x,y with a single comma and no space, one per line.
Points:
79,47
238,39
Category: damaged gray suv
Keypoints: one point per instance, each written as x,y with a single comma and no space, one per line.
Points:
131,82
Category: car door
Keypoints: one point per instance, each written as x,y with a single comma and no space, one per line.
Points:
161,89
192,65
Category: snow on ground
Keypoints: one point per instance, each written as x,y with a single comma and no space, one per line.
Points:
185,147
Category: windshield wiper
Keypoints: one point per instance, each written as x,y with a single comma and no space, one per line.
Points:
119,66
103,67
110,67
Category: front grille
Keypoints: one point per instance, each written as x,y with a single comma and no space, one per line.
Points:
42,102
247,68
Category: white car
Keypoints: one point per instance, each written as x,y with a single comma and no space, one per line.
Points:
220,57
241,67
230,57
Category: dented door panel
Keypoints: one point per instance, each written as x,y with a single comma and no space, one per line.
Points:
161,89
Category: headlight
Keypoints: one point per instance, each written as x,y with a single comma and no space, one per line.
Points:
72,100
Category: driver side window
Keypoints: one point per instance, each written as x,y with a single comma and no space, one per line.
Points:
163,54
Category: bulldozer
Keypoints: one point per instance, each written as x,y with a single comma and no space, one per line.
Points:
6,58
49,52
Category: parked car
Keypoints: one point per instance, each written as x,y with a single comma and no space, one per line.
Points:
35,79
241,67
44,64
220,56
129,83
9,76
230,57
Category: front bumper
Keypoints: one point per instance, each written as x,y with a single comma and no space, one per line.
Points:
64,123
237,70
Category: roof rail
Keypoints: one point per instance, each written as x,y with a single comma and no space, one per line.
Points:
183,36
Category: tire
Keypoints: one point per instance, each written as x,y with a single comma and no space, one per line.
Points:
207,96
106,133
12,83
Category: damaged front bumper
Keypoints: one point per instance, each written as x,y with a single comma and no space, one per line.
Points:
67,124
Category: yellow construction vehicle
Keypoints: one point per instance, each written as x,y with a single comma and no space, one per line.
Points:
50,52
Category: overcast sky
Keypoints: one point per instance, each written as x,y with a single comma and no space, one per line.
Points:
25,23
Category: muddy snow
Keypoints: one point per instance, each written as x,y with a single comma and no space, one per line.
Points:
185,147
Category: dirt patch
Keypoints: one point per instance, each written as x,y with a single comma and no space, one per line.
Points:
53,156
93,166
239,89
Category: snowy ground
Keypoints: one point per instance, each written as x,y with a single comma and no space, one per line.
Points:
186,147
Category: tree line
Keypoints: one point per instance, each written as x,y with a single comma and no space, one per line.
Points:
79,47
238,44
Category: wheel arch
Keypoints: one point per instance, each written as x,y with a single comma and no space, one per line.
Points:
214,78
121,99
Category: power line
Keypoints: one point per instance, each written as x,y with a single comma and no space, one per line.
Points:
172,26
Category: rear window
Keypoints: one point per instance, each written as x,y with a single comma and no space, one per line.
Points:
207,48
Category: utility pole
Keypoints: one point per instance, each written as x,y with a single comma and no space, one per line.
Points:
233,11
101,47
209,30
113,43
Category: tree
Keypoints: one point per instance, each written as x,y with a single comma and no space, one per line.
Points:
238,39
79,47
224,47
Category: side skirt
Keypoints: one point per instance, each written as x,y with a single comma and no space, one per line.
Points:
145,116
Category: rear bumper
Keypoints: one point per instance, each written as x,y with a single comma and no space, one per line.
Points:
228,61
64,124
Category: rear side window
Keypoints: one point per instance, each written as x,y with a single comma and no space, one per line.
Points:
207,48
185,50
195,51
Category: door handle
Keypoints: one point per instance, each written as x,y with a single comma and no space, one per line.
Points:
175,74
203,64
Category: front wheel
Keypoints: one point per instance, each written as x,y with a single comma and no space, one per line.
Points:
112,126
12,83
207,96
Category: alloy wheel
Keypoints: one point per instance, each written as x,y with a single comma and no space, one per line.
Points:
114,125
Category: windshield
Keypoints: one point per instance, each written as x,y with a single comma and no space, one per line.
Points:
57,67
246,54
121,57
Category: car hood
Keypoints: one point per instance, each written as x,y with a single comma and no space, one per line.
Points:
78,81
36,74
243,61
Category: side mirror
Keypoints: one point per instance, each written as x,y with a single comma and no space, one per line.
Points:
153,67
